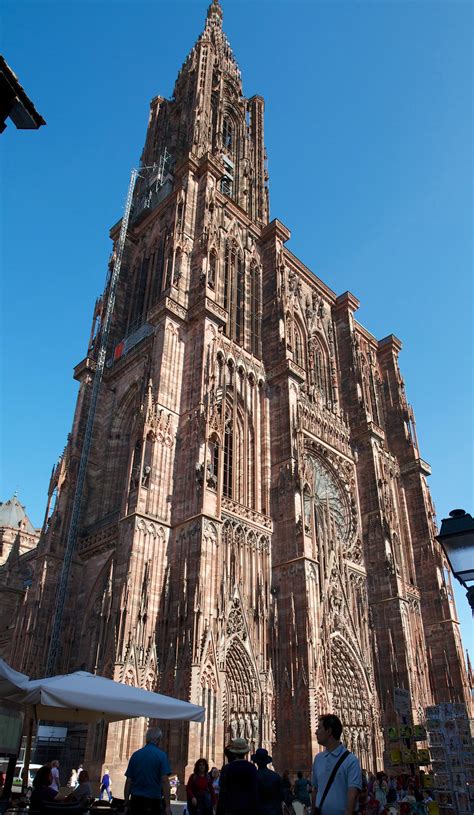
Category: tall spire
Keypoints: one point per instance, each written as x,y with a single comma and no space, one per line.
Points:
208,113
214,14
214,36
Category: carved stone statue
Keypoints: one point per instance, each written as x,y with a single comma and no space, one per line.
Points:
211,477
292,282
255,727
199,474
248,726
233,725
241,726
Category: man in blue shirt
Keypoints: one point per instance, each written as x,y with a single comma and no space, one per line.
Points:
148,774
342,796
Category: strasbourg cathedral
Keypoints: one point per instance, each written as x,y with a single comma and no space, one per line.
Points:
256,532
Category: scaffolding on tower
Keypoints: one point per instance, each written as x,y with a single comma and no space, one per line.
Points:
53,650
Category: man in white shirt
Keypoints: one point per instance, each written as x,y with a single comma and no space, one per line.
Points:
341,797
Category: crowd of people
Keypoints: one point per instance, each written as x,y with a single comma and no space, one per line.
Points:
242,784
384,794
46,787
246,785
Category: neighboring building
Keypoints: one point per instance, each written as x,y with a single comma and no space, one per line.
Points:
257,534
15,103
16,530
18,540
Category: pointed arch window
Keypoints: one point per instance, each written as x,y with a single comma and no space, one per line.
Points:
228,157
229,264
240,302
215,108
157,272
140,279
236,444
227,185
119,457
228,468
239,459
251,468
228,134
209,701
234,293
320,370
298,346
255,311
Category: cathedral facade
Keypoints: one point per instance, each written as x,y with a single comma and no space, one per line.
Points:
256,533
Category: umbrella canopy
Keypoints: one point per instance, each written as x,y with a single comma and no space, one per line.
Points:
86,697
10,681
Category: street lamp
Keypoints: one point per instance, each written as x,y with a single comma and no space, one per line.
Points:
457,539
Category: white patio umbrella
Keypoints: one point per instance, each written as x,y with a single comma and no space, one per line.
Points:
86,697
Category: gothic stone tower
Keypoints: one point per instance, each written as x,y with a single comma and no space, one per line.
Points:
256,533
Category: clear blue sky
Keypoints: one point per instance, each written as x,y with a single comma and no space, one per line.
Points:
369,138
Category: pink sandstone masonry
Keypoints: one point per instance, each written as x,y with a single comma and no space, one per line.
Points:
257,534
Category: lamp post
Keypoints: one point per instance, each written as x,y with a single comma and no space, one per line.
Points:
456,536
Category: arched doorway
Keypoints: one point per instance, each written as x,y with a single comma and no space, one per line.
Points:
243,714
352,700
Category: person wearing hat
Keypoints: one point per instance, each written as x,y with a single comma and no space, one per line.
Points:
238,793
270,789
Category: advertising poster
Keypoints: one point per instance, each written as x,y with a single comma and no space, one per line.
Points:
395,757
419,732
452,755
406,731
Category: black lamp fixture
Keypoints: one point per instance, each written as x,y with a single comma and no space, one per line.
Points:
456,536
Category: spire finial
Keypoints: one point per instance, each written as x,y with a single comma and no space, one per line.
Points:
214,13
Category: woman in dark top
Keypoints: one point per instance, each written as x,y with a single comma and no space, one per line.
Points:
42,792
199,790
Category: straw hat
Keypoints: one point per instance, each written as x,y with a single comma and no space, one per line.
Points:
238,746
